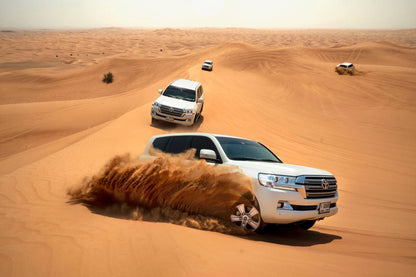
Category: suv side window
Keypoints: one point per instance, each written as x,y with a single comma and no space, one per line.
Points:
199,143
178,144
160,143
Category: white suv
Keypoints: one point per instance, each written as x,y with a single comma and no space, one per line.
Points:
345,68
181,102
207,65
284,193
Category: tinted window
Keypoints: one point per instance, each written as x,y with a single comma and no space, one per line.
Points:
179,144
180,93
160,143
203,143
246,150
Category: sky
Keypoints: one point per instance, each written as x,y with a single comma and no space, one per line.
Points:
295,14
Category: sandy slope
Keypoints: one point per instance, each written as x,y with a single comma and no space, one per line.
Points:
60,124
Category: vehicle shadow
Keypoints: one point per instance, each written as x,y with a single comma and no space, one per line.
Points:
277,234
293,236
163,125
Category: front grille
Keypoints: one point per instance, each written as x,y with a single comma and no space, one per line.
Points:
171,111
315,189
309,208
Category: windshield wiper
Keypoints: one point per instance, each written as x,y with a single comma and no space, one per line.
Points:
176,97
252,159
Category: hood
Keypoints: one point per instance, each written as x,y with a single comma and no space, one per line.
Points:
175,103
252,169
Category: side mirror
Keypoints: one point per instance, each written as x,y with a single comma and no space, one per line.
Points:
208,154
160,91
201,99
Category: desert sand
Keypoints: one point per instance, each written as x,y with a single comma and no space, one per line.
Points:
60,124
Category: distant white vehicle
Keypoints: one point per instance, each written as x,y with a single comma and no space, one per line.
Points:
207,65
181,102
343,68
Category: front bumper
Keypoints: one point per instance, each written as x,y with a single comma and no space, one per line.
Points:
284,207
186,120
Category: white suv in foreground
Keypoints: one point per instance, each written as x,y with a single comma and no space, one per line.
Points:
181,102
284,193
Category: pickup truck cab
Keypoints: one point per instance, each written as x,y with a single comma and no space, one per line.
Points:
181,102
284,193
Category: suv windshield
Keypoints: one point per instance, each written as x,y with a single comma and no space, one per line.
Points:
180,93
246,150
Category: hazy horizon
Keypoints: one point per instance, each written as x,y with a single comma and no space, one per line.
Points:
185,14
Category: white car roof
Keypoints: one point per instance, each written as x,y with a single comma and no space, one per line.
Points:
208,61
346,64
197,134
188,84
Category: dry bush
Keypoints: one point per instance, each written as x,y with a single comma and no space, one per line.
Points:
108,78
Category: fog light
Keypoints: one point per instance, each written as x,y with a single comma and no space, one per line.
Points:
284,205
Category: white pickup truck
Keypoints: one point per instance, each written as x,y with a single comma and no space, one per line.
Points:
284,193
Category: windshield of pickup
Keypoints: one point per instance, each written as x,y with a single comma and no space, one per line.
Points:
180,93
246,150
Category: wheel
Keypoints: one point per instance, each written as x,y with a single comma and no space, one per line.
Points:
307,224
154,121
247,217
196,118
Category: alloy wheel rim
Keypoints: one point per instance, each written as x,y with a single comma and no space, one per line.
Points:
246,217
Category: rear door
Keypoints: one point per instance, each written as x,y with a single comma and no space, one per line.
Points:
178,144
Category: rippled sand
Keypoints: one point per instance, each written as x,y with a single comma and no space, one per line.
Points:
60,124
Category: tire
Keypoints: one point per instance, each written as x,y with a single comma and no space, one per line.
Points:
247,217
154,121
307,224
196,119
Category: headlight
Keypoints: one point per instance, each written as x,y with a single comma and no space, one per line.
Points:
277,181
189,111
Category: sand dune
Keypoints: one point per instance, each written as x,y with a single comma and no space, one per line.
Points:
60,124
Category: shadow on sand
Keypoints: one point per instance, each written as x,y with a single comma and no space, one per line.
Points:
163,125
293,236
290,235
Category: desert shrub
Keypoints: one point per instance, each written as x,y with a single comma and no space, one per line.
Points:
108,78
